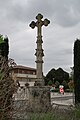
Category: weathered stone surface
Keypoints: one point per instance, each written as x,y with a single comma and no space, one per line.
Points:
35,99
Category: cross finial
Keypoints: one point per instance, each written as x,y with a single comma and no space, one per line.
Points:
39,22
39,16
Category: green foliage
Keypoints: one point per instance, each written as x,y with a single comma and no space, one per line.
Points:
51,74
57,84
4,47
57,75
58,114
50,83
65,84
43,116
46,80
1,39
6,92
6,83
61,75
77,70
77,112
71,85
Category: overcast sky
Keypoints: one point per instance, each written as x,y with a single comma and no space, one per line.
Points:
58,36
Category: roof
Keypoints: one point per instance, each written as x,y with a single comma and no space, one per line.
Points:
22,67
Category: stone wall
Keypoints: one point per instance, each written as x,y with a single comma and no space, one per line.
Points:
31,99
36,97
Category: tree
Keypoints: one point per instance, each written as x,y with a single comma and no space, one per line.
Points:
77,71
50,83
65,84
61,75
57,75
51,74
6,83
57,84
71,85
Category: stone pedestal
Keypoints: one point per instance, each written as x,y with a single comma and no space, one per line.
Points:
35,98
39,98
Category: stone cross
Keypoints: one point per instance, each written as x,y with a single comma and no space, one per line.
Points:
39,51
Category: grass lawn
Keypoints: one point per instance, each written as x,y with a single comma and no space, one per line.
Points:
58,114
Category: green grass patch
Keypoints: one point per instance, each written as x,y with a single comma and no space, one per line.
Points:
58,114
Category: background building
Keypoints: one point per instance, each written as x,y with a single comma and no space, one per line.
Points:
23,74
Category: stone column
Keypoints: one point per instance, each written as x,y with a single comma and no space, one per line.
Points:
39,51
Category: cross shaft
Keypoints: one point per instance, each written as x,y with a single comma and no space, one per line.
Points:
39,51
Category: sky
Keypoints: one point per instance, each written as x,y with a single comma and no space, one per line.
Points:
58,37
